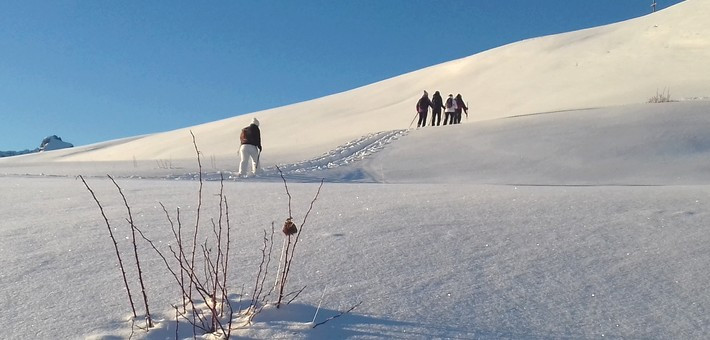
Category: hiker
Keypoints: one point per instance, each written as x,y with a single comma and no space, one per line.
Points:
460,105
423,109
250,148
436,105
449,110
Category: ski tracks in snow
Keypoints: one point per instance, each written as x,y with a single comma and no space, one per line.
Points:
344,155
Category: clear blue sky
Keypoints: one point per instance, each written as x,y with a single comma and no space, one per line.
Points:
94,70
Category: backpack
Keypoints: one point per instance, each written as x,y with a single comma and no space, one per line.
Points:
449,103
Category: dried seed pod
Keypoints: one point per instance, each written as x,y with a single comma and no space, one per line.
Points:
289,227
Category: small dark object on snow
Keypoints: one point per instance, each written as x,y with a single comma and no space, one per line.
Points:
289,227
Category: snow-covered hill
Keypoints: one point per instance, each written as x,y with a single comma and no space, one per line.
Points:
618,64
574,224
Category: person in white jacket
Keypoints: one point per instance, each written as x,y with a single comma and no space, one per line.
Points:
450,109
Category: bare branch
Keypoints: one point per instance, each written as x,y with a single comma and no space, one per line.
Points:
149,320
197,219
295,295
338,315
115,245
290,215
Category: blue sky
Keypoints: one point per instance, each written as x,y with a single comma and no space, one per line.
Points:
92,71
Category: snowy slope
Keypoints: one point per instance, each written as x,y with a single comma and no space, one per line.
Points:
642,144
645,144
582,249
623,63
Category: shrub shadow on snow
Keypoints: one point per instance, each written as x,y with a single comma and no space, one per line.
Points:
296,321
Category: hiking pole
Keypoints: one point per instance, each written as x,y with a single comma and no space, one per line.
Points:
415,117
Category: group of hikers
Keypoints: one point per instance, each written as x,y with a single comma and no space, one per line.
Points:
453,107
250,137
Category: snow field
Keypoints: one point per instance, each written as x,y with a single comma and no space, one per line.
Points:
565,208
428,261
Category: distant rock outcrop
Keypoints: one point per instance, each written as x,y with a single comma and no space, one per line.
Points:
54,142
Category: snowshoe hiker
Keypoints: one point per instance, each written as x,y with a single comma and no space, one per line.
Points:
436,105
423,109
460,105
250,148
450,110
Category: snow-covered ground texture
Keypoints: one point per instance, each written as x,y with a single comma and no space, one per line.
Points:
427,261
578,224
566,208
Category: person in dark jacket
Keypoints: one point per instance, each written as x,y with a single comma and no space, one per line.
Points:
250,148
460,105
436,105
423,109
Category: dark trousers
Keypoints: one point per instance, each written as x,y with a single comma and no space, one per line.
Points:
457,117
435,118
422,119
450,118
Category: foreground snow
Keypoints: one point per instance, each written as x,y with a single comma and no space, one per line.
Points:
577,224
453,261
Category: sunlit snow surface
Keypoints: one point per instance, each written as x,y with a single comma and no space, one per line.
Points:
445,251
565,208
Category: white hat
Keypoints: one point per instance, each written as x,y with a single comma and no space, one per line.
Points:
255,121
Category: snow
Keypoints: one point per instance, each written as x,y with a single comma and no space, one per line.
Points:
564,209
451,260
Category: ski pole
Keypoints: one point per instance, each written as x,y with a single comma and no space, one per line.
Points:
415,117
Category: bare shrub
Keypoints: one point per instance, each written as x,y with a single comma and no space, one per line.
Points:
213,162
164,163
290,230
198,262
662,97
115,244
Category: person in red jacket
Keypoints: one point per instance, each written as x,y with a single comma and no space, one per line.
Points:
250,150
